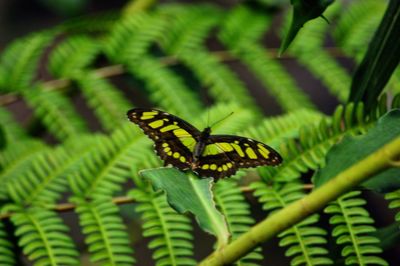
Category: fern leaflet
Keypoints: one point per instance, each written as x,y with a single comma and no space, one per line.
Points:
16,160
171,232
107,101
43,237
394,198
353,228
13,131
267,70
44,181
109,164
274,130
72,56
357,25
308,152
304,240
105,233
19,63
132,36
7,257
56,112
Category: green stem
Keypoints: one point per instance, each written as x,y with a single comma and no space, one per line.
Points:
137,6
297,211
296,231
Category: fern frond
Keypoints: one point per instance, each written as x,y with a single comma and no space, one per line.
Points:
107,101
188,27
7,256
43,237
109,164
223,84
72,56
357,24
17,159
128,44
236,210
275,79
394,198
185,40
171,233
13,131
232,31
353,228
56,112
165,88
274,130
326,69
19,63
308,152
304,241
45,180
132,36
42,182
105,232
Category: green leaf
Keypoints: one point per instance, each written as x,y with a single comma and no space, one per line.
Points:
353,149
187,193
382,58
389,236
303,11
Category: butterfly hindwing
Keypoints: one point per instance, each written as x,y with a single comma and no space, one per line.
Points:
171,152
240,152
217,166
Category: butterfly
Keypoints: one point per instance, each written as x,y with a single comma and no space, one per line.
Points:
185,147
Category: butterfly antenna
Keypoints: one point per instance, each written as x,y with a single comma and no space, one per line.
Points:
208,117
221,119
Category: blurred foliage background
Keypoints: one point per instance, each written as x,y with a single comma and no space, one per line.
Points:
71,69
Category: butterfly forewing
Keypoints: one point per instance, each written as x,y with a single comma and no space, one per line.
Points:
159,125
174,138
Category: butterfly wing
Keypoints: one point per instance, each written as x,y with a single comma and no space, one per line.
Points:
174,139
225,154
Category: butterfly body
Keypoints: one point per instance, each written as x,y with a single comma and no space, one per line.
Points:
182,145
201,144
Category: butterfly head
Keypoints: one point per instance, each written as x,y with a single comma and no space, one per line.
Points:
205,133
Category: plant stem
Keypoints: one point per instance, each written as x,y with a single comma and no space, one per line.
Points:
65,207
137,6
299,210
